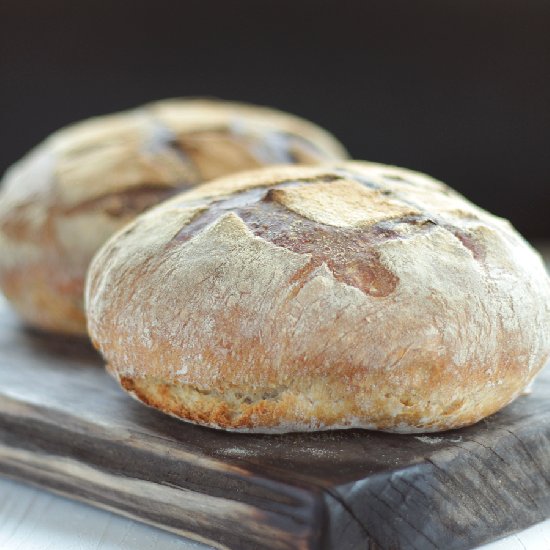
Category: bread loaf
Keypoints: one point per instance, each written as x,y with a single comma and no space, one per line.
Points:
64,199
354,295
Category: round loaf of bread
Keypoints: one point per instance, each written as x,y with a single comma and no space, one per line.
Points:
309,298
62,201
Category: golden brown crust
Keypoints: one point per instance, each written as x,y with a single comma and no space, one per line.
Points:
30,291
300,298
62,201
329,404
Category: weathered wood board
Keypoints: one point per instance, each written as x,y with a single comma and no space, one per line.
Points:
66,426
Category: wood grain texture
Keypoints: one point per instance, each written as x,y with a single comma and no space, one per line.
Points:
33,519
65,425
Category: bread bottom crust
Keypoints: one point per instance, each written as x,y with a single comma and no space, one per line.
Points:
311,407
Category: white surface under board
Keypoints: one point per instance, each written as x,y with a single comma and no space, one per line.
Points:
32,519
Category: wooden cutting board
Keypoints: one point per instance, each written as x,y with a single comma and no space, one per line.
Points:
66,426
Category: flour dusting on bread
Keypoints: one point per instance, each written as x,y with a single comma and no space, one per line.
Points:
350,295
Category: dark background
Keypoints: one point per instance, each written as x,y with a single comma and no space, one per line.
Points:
459,89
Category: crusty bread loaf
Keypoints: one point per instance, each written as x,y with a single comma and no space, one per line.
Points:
310,298
64,199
